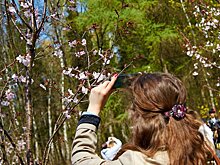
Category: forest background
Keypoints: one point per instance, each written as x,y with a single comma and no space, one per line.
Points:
54,52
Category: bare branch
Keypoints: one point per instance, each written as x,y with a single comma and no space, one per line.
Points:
19,30
33,18
12,143
22,19
43,18
2,91
7,66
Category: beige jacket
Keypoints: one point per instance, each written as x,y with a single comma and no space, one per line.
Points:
84,146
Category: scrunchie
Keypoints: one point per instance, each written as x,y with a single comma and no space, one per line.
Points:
178,112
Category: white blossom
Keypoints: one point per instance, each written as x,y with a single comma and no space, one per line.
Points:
42,86
25,5
196,66
58,53
14,77
80,53
66,113
70,92
75,100
84,42
21,144
25,60
22,79
106,61
72,43
195,73
68,71
5,103
95,52
82,76
11,9
98,76
84,90
27,13
190,53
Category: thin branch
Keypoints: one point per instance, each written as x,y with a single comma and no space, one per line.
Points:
188,20
2,90
33,17
19,30
43,18
22,19
9,14
47,148
12,143
7,66
210,88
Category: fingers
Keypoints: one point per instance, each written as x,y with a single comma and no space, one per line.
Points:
105,84
112,82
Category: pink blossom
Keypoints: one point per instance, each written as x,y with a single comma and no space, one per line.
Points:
72,1
72,8
24,60
27,60
72,44
81,53
9,95
28,13
75,100
21,144
22,79
66,113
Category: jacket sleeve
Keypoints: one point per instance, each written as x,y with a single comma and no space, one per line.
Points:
84,146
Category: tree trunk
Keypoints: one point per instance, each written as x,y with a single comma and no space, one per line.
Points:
36,141
67,152
28,106
49,115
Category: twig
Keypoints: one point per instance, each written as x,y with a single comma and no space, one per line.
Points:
17,12
43,18
8,66
12,143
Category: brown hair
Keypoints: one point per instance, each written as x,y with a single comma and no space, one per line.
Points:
153,95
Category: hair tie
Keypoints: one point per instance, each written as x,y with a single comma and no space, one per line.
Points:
178,112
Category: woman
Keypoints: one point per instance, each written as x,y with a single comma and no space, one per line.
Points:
163,132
